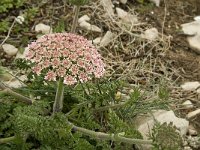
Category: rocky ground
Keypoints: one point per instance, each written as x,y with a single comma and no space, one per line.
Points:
141,43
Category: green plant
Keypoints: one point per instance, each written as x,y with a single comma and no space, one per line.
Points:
166,137
30,13
5,5
4,25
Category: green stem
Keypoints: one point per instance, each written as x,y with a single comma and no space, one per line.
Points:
112,137
75,20
96,135
6,140
116,106
58,103
19,97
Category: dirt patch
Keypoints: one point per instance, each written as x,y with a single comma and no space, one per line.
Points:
167,19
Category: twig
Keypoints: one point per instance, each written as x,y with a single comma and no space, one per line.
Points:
9,31
165,14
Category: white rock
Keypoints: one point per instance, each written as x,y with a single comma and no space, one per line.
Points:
187,104
197,18
108,7
9,49
16,83
45,29
107,38
157,2
83,18
190,86
123,1
194,43
193,29
192,131
121,13
97,40
150,34
89,27
193,114
146,123
125,16
22,55
162,116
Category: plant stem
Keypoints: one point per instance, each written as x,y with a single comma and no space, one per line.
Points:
58,103
110,107
6,140
19,97
75,20
112,137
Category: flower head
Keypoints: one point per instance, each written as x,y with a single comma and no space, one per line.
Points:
65,55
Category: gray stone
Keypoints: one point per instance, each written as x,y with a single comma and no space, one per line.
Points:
9,49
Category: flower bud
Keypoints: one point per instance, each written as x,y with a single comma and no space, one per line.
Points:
19,19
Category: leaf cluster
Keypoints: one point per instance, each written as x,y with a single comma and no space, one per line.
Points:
166,137
5,5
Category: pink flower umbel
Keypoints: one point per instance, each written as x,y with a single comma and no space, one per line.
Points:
65,55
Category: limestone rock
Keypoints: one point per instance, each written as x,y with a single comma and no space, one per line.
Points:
150,34
197,18
22,55
162,116
83,18
45,29
123,1
188,104
194,43
16,83
9,49
190,86
146,123
89,27
126,17
108,7
107,38
121,13
97,40
192,131
193,113
193,29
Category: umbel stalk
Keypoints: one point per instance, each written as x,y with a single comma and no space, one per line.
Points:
58,103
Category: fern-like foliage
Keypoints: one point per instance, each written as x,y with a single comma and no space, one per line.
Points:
166,137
